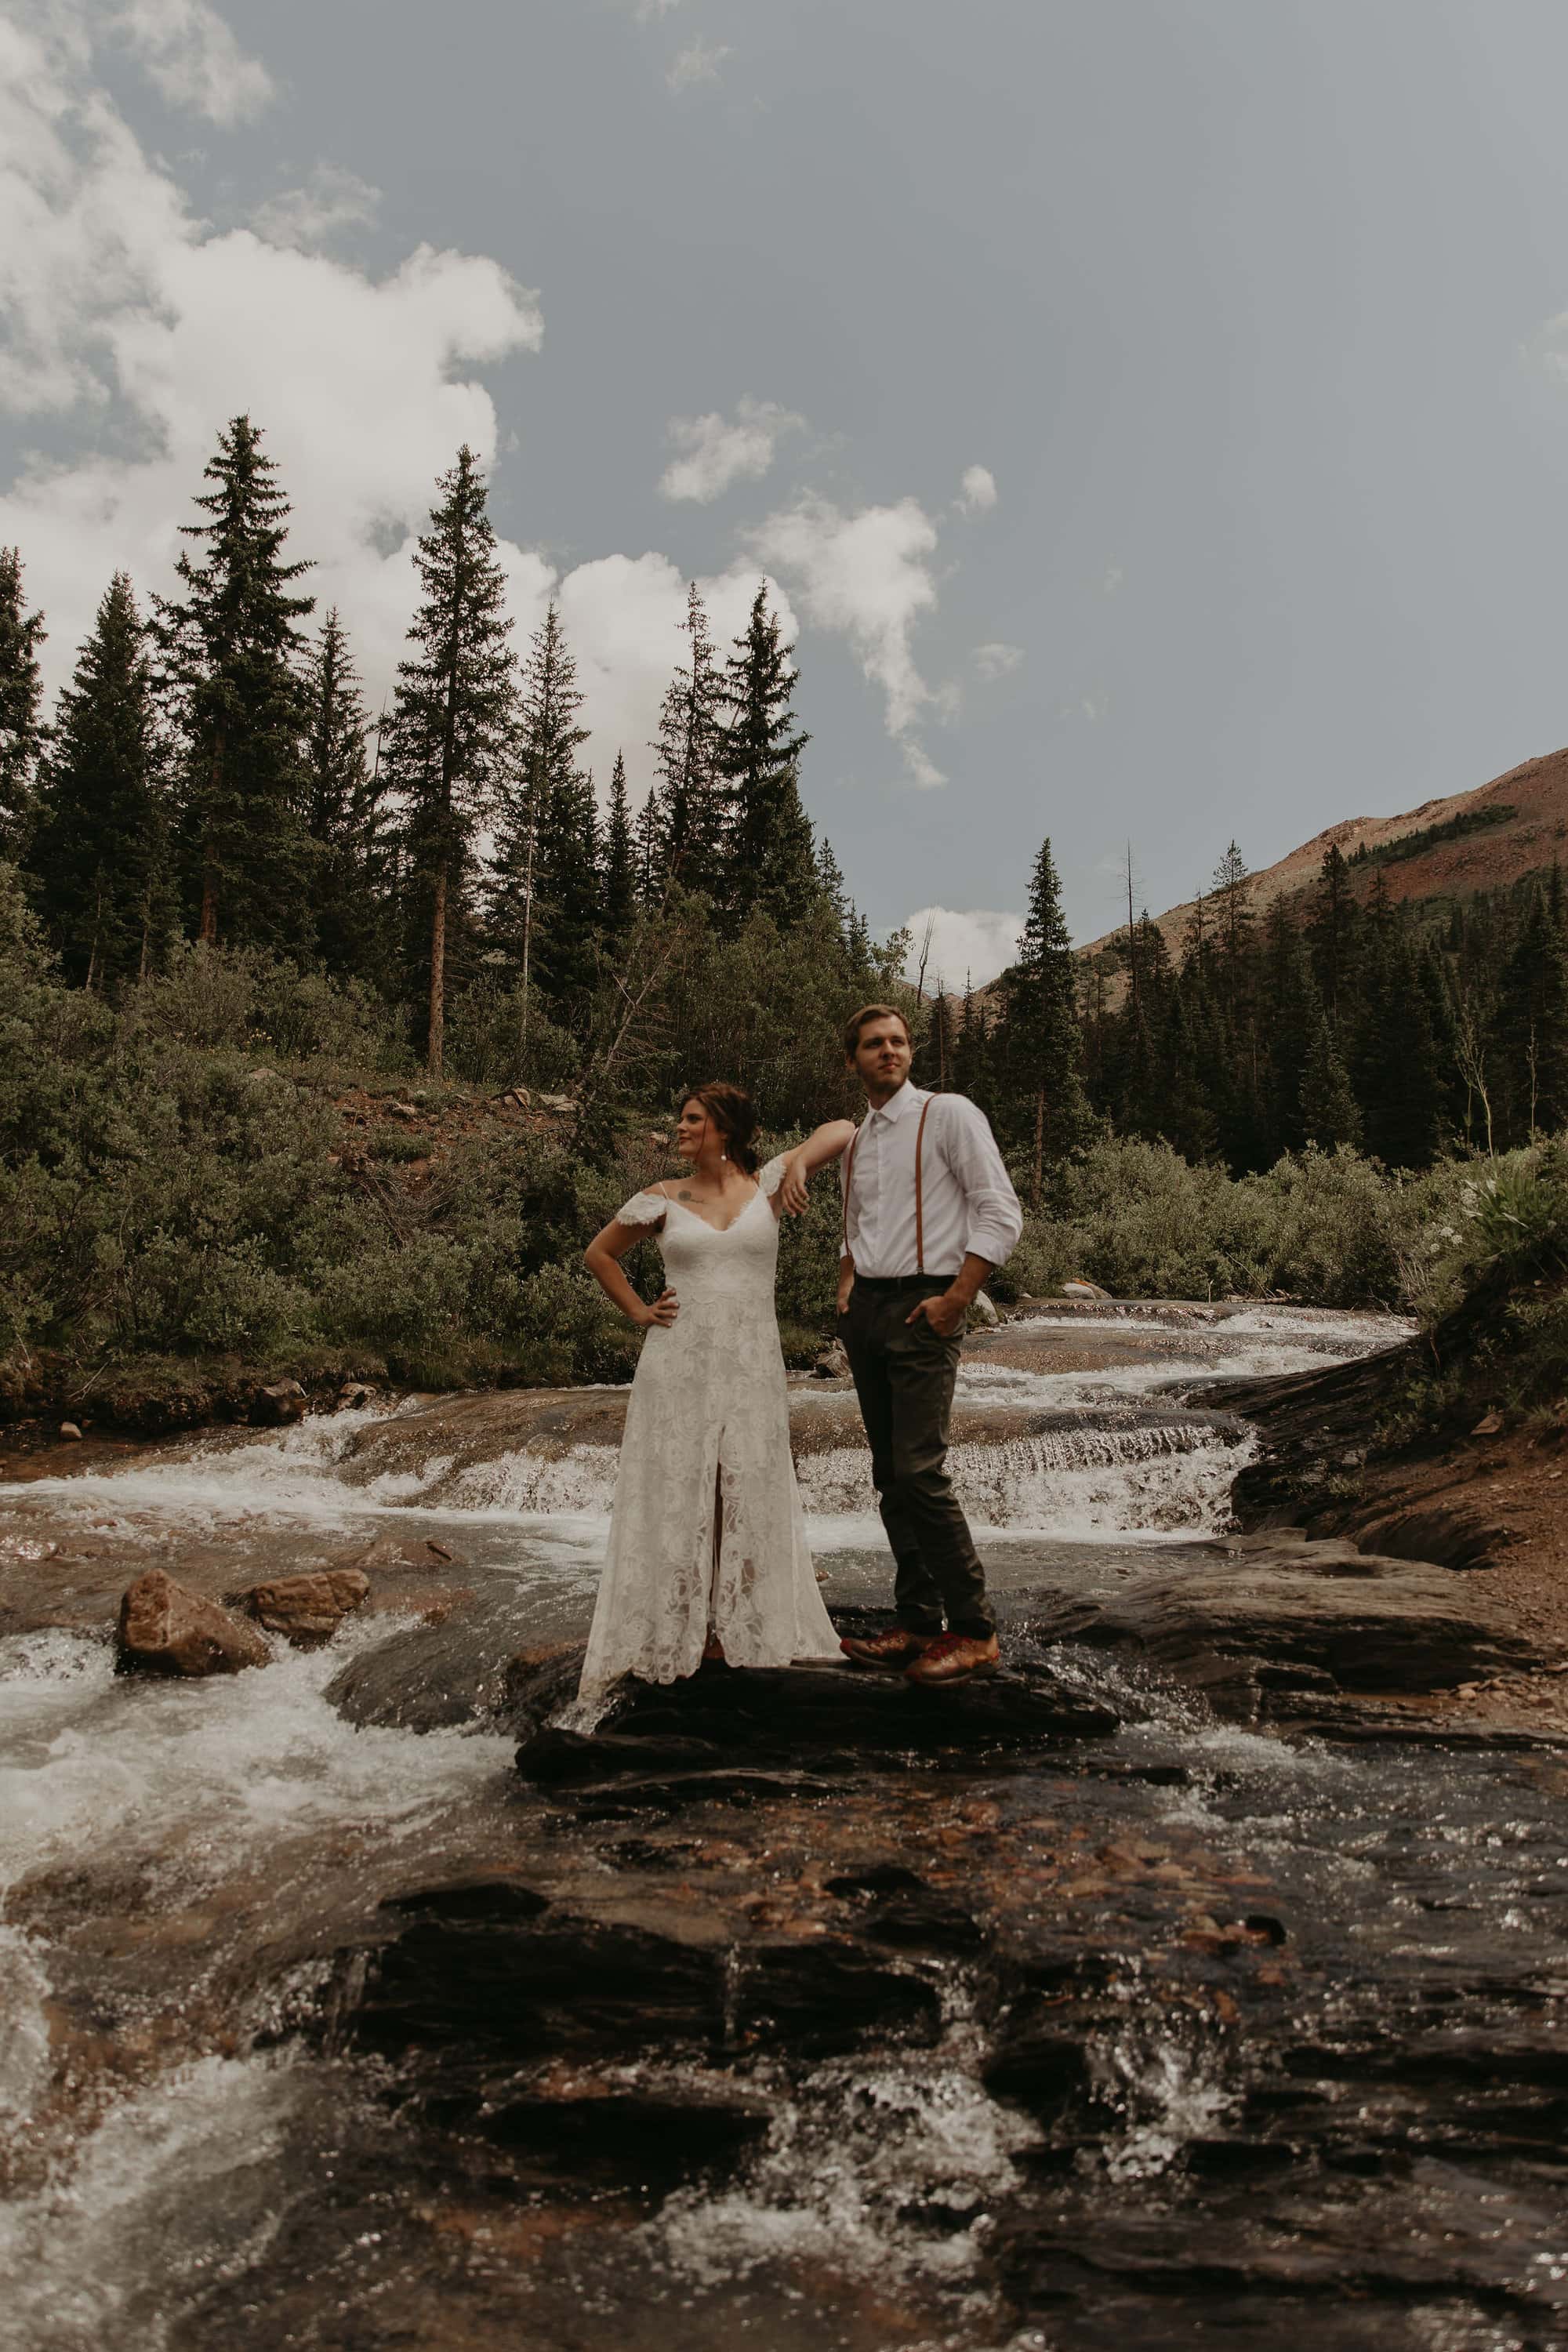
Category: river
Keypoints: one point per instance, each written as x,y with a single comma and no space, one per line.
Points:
1310,1991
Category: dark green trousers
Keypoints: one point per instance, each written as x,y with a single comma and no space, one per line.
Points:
904,1375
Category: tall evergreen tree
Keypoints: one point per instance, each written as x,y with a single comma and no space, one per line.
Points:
101,852
648,837
619,901
1040,1045
1329,1113
533,896
1399,1086
569,896
452,724
21,706
1291,1012
231,657
1530,1026
1333,928
771,863
691,733
345,811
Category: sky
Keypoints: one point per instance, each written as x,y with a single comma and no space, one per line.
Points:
1152,414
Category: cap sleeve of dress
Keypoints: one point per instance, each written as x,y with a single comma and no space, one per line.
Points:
642,1209
769,1178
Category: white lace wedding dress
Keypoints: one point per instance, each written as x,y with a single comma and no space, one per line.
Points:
707,1528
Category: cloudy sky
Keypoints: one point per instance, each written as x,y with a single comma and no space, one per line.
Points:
1154,413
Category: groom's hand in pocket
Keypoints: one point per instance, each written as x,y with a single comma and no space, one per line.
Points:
944,1313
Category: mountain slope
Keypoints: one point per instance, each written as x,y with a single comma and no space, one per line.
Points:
1479,840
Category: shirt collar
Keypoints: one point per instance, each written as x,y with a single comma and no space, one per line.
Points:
897,1105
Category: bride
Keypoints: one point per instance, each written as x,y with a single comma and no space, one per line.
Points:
708,1557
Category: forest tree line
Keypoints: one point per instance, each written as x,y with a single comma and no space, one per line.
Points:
213,775
1342,1017
213,778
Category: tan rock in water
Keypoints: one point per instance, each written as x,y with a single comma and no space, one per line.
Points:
166,1629
279,1403
307,1609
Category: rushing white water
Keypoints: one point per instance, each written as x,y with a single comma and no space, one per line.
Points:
222,1805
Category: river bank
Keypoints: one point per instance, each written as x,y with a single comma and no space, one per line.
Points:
1203,1976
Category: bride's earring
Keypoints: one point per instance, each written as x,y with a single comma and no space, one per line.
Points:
724,1155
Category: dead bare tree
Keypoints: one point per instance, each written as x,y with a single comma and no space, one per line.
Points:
925,957
1470,1059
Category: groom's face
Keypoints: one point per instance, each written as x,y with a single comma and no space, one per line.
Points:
883,1056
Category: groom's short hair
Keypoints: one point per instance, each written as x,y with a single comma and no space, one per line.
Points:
857,1022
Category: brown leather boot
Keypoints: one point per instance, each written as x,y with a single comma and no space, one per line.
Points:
894,1649
954,1658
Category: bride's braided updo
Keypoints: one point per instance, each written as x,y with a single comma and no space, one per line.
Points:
734,1114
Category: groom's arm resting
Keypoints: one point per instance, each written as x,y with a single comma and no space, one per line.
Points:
825,1143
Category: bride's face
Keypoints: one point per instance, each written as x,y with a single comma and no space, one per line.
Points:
691,1132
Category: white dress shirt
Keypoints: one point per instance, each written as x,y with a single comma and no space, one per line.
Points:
966,1199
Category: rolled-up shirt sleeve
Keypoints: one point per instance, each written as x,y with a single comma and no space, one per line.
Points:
993,1220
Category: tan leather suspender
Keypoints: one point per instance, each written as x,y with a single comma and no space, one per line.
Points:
920,1193
919,1218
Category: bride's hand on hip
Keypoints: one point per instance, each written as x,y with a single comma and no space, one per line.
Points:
663,1312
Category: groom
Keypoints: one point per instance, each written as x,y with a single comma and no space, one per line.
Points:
928,1211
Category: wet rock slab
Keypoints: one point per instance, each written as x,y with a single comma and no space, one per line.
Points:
823,1719
1272,1628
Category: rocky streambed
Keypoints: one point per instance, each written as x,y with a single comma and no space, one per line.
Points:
1203,1974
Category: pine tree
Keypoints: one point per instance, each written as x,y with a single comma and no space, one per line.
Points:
569,898
1333,931
541,803
1329,1113
101,852
21,703
771,861
1530,1026
831,885
648,837
1040,1044
1289,1016
691,731
345,812
231,658
452,724
1398,1085
620,891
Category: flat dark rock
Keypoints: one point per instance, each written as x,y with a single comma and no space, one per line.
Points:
1270,1618
826,1718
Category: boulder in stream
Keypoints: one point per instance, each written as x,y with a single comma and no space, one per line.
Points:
166,1629
307,1609
281,1402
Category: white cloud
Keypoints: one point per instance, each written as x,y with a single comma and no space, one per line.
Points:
697,66
715,452
977,491
117,300
194,57
647,11
997,659
867,575
622,618
1111,579
972,946
331,201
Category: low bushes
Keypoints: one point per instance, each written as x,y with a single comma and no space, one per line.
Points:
183,1210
